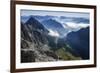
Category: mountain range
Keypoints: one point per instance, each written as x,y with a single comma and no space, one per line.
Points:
61,18
59,25
34,44
41,40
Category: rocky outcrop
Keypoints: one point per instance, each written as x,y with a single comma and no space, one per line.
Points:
34,43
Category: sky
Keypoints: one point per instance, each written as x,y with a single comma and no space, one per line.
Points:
54,13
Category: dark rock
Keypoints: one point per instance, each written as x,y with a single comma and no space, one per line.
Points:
51,54
24,44
79,41
27,56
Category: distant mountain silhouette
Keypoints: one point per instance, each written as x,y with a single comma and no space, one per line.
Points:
80,20
62,18
75,19
42,18
54,25
79,41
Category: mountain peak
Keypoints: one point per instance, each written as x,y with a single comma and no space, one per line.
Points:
53,23
35,24
31,20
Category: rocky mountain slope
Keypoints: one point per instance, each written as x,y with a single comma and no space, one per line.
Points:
34,45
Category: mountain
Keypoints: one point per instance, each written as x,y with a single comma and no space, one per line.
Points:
24,19
51,23
75,19
34,43
79,41
54,26
42,18
59,19
38,46
80,20
25,37
44,38
35,25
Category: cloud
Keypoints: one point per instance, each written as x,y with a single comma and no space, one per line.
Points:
74,26
53,33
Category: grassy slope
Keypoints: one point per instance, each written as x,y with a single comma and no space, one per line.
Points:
64,54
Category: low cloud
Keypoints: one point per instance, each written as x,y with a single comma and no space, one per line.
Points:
74,26
53,33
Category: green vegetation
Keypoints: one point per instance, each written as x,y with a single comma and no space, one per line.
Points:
64,54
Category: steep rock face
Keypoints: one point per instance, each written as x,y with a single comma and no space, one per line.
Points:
34,43
79,41
33,24
25,37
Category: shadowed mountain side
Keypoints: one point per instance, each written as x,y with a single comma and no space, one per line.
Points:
55,26
79,41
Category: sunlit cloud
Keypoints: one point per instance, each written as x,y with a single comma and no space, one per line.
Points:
53,33
74,26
